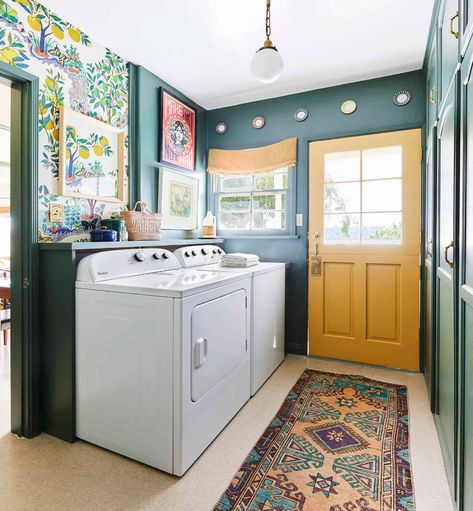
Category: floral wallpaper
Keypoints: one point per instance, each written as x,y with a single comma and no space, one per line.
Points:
73,71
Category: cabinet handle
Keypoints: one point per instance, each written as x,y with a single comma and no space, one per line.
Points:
428,252
447,260
432,92
452,19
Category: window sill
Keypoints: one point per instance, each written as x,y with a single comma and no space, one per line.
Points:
258,237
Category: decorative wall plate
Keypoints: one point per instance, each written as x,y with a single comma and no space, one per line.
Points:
402,98
258,122
301,114
221,128
348,106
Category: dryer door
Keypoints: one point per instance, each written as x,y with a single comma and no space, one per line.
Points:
219,344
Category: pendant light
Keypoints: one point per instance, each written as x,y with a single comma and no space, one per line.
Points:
267,64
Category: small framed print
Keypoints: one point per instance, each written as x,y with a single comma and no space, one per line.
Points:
177,132
178,199
91,158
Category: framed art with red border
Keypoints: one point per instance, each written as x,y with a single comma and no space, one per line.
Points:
177,132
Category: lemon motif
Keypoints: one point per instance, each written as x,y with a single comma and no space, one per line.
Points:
68,154
74,34
56,134
57,31
34,22
49,125
103,141
7,55
98,150
49,83
84,153
25,3
72,131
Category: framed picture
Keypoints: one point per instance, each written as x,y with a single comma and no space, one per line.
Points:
178,199
91,158
177,132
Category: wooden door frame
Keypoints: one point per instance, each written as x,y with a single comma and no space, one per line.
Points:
358,133
25,353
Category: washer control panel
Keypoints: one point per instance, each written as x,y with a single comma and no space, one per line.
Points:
199,255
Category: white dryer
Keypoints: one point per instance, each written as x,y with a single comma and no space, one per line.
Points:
162,360
268,298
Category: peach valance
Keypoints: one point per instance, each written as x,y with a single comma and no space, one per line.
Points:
248,161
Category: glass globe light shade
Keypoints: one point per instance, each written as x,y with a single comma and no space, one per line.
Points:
267,65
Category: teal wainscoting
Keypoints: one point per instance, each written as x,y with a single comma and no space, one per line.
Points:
375,113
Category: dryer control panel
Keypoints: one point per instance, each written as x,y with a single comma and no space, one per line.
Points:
198,255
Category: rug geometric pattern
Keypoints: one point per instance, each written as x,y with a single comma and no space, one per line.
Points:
338,443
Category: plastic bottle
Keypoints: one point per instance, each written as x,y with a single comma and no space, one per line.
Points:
210,226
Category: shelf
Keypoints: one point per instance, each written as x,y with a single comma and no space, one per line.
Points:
100,245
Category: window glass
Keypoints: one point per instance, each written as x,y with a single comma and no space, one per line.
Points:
343,166
382,162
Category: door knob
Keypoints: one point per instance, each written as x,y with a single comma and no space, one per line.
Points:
447,248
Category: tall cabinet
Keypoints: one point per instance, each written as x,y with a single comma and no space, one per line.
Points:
448,254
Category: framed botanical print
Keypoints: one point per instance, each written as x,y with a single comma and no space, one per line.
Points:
178,199
91,158
177,132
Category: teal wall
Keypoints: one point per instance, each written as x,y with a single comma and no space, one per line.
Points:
146,117
375,113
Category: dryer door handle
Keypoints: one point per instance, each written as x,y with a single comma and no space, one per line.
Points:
200,352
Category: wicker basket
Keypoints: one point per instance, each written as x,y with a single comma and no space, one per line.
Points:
142,225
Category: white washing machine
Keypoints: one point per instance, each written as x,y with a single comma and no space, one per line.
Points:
268,297
162,355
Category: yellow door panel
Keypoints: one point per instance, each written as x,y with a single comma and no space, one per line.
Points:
364,228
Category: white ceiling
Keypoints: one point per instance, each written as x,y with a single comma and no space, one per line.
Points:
204,47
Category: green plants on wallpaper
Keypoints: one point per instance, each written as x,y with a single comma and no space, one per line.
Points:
74,73
12,50
48,28
108,90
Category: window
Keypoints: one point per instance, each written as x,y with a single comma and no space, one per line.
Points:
363,196
253,203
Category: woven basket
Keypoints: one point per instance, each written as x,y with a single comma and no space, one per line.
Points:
142,225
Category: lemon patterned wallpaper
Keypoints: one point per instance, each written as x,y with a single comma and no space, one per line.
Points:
73,71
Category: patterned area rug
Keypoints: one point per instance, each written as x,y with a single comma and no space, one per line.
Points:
338,443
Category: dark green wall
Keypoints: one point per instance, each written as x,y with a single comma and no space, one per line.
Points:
375,113
145,123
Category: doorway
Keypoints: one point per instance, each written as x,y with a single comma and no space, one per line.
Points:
5,258
364,248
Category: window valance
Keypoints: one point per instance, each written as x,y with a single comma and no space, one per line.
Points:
248,161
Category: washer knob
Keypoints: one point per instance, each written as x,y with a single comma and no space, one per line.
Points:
194,252
165,256
157,255
205,251
139,256
187,253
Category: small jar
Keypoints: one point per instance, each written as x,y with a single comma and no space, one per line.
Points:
123,231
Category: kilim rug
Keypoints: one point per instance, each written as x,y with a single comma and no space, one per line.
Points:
338,443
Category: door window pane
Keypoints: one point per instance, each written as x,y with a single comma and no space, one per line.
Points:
382,162
342,228
342,166
384,195
382,227
342,197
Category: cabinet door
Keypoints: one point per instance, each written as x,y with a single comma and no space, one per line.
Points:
466,279
449,27
429,266
432,87
447,352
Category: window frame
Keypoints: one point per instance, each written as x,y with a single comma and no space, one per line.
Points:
290,207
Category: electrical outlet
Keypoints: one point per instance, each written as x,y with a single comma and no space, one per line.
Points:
56,213
300,220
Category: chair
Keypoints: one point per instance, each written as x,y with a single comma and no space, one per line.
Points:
5,324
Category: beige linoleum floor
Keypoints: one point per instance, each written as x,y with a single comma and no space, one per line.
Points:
46,474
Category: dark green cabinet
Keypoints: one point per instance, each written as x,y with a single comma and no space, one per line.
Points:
466,283
446,349
429,265
448,38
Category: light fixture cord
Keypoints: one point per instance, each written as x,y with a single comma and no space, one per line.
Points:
268,20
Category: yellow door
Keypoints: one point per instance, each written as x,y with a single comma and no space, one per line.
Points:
364,248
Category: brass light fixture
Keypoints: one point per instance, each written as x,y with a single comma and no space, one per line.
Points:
267,64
